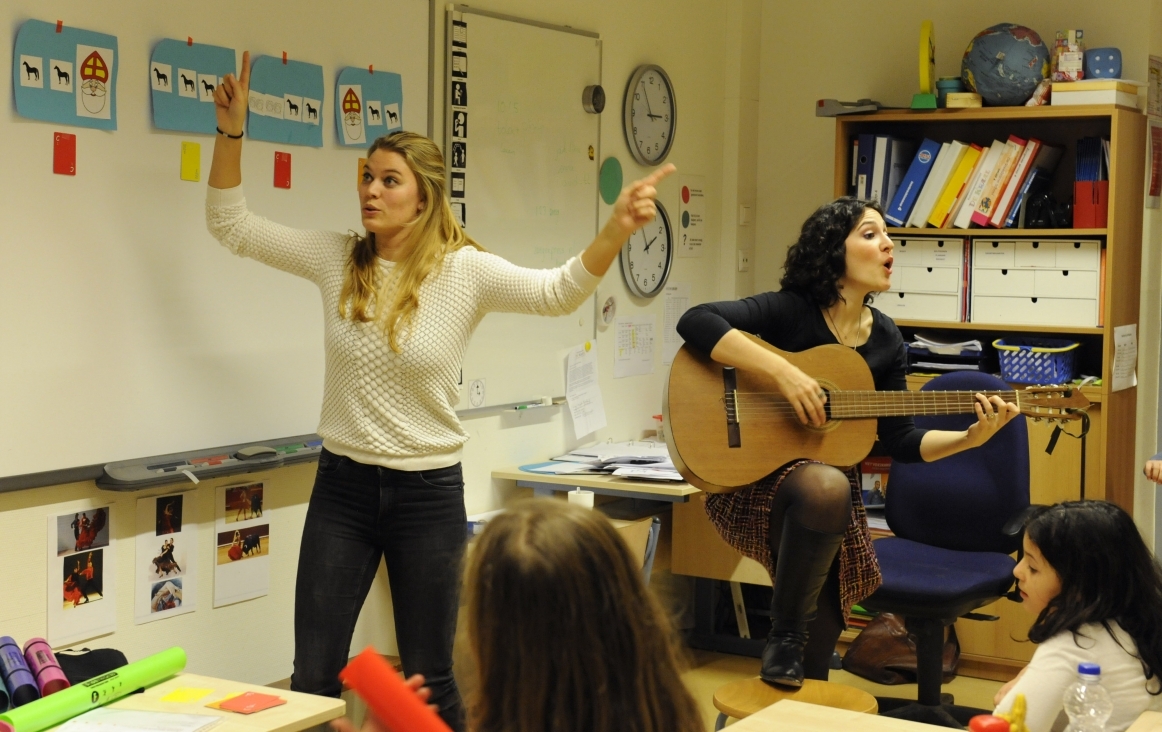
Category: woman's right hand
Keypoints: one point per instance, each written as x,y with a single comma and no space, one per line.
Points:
803,392
1153,470
231,99
371,723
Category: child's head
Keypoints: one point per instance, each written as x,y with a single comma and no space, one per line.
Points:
1102,569
564,632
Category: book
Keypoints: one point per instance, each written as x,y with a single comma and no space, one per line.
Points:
954,186
1039,178
899,157
867,144
1013,184
1000,176
966,188
854,164
941,169
1095,91
879,170
988,164
912,182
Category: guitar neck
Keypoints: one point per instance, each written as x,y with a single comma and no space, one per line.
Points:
863,404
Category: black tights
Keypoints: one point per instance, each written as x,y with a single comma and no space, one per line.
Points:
819,498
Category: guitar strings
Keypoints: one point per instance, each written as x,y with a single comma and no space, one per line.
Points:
853,404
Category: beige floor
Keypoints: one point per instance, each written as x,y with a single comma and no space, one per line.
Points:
710,670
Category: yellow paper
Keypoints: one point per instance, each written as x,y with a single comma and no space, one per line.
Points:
214,704
191,161
186,695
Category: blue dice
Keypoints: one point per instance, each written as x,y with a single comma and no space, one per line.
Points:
1103,63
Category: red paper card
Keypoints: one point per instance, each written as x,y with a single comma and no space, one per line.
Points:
250,702
282,170
64,153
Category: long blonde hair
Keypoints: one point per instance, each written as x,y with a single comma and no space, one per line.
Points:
435,233
564,632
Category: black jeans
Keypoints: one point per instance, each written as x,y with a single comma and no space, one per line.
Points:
416,521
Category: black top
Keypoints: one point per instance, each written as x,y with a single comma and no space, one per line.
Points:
789,322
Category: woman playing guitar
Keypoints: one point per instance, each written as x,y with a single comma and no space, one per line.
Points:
805,522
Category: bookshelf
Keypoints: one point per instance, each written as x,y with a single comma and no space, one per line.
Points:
989,649
1121,238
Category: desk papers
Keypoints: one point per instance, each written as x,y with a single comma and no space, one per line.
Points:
582,391
105,719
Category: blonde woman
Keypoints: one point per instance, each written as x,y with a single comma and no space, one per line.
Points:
400,303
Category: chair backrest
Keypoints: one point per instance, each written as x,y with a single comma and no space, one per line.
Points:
962,501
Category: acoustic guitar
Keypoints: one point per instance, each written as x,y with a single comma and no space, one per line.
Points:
727,428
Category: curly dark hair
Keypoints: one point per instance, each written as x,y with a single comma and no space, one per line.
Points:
1106,573
817,260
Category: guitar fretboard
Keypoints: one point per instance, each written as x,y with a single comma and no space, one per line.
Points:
856,404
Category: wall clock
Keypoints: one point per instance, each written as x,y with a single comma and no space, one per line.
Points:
647,257
651,114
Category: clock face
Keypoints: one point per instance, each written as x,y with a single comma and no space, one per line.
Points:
647,256
650,114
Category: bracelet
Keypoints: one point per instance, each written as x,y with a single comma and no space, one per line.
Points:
232,137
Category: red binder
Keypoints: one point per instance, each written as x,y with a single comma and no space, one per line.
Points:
1091,203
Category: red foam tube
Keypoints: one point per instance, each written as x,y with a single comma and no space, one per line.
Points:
392,700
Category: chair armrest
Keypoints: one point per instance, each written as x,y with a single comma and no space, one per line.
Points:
1016,523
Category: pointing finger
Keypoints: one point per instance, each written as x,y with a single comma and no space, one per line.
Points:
244,76
660,174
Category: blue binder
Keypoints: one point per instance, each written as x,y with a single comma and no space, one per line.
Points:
913,181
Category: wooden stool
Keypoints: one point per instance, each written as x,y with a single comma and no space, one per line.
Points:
740,699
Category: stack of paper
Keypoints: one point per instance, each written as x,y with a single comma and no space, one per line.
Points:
945,348
645,460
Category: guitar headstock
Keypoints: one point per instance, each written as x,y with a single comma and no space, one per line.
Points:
1056,403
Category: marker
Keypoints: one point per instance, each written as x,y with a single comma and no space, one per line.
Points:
529,406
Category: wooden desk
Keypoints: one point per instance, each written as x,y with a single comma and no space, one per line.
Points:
300,712
1148,722
606,485
793,716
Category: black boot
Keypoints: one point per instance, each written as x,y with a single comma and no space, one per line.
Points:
805,557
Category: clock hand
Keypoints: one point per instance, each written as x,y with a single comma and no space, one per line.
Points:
651,241
649,109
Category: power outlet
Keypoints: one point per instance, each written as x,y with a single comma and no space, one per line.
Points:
744,260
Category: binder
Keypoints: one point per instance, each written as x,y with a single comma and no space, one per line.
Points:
992,191
867,145
984,171
1038,179
912,182
899,157
879,175
932,187
954,186
1013,184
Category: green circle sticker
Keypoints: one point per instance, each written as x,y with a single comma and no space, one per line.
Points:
685,219
611,180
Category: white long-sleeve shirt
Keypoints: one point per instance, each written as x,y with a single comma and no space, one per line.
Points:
1053,669
381,407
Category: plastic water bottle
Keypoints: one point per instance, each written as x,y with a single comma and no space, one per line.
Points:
1086,701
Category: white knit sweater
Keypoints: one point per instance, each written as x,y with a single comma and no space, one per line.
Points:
381,407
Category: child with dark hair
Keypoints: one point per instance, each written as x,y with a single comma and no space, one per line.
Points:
565,634
805,522
1096,592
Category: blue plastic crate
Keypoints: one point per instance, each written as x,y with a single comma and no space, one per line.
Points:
1036,360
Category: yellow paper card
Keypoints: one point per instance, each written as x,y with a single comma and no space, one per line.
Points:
214,704
186,695
191,161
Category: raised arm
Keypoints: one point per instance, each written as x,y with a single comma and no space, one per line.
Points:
230,105
633,209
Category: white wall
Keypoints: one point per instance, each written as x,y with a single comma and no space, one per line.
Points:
253,641
869,49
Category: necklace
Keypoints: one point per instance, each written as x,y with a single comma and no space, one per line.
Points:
839,335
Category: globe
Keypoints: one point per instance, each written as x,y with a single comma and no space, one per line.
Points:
1004,64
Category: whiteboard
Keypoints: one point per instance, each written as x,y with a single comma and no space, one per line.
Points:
126,331
524,155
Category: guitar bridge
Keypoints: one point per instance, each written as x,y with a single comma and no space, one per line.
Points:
730,399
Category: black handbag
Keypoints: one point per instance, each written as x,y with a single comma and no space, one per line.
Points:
80,666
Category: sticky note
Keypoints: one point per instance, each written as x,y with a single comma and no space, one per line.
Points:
218,704
191,161
359,171
186,695
64,153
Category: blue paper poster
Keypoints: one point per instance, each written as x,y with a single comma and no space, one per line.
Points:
368,104
182,77
65,75
286,102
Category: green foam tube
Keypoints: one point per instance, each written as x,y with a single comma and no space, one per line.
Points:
97,691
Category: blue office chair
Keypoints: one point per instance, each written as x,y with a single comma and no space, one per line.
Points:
956,521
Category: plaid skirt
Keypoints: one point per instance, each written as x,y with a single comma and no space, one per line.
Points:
743,520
